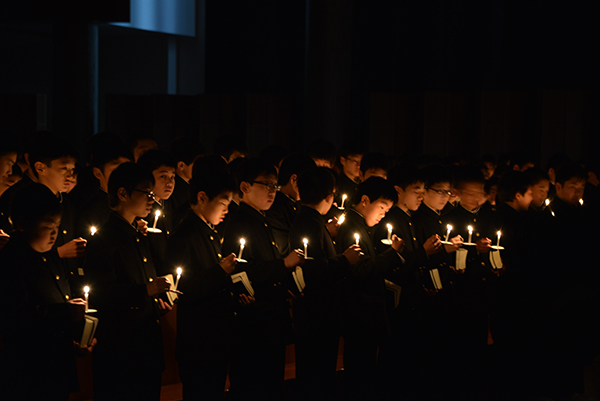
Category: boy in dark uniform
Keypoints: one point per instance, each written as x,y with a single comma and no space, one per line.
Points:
205,313
366,320
350,175
40,316
185,150
129,360
317,320
257,371
282,213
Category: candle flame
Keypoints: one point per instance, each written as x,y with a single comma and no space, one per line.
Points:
547,202
242,242
305,241
389,227
342,218
93,230
344,197
356,236
157,214
581,202
499,234
470,228
179,271
449,227
86,290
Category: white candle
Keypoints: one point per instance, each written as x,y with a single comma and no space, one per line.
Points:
499,235
156,215
242,245
357,237
179,271
341,220
547,202
343,200
449,227
581,202
305,247
389,227
86,294
470,228
93,230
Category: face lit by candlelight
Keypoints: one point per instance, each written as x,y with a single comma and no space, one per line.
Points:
470,194
522,201
213,211
351,165
164,182
373,212
571,191
43,236
6,163
437,195
539,193
411,197
56,176
260,194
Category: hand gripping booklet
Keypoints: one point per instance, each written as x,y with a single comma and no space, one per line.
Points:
241,284
89,329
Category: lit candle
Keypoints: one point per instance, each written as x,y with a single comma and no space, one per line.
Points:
93,230
305,247
341,220
357,237
547,202
499,235
449,227
179,271
470,228
242,245
86,294
343,200
581,202
156,215
389,227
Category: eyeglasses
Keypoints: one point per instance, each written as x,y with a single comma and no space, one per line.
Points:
357,162
270,187
149,194
441,192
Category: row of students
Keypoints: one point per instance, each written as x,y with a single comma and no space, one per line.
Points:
344,281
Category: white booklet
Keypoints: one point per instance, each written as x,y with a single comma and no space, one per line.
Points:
461,259
89,329
299,278
243,279
496,260
435,277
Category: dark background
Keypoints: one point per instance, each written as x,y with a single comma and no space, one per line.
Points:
451,78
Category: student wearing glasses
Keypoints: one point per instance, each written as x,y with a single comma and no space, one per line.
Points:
350,176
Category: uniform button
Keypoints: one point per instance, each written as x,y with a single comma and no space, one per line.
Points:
145,259
211,238
275,285
266,225
168,232
477,234
150,279
157,321
231,293
43,258
482,263
57,277
155,300
66,297
273,242
474,220
409,223
414,239
65,232
219,255
137,240
234,313
440,221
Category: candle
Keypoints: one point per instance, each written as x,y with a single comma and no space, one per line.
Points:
449,227
305,247
341,220
179,271
343,200
156,215
470,228
499,235
242,245
547,202
86,293
93,230
357,237
389,227
581,202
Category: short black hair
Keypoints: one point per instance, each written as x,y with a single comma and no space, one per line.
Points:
156,158
536,175
512,183
376,160
556,160
187,149
128,175
468,174
8,145
322,149
31,204
208,162
435,174
275,154
213,182
226,145
352,148
253,168
50,147
569,170
375,188
106,147
133,138
234,167
315,184
403,175
294,164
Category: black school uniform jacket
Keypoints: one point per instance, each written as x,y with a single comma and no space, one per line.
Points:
345,186
6,202
94,213
180,198
266,270
323,274
37,332
280,216
365,305
158,241
119,265
205,311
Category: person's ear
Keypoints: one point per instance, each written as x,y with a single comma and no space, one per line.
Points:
364,200
245,187
122,194
329,198
202,197
97,173
294,180
181,165
558,186
40,168
399,191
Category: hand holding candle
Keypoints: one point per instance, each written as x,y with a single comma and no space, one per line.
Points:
356,237
341,219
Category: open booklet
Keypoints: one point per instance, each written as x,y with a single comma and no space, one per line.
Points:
395,289
299,278
241,284
89,329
